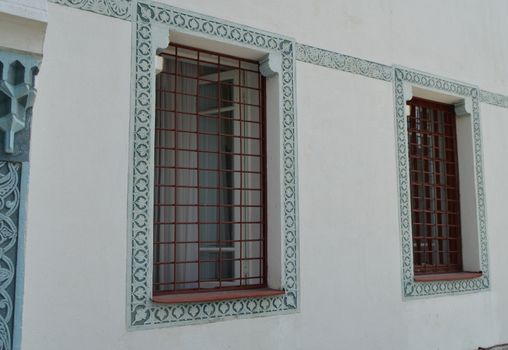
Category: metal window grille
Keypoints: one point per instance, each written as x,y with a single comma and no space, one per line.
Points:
210,173
434,177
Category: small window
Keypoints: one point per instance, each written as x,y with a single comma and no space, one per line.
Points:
435,201
441,191
209,174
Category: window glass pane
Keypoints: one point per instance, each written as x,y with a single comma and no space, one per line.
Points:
208,174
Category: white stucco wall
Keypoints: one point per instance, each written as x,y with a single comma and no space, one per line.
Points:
75,287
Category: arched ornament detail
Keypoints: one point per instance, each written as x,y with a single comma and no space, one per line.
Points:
271,64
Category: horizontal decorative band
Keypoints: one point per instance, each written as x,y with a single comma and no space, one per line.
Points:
112,8
494,99
335,60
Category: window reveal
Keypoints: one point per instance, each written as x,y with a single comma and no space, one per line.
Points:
434,177
209,178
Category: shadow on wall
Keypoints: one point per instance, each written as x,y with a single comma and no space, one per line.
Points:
496,347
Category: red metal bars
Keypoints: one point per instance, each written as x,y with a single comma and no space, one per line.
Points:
210,173
434,177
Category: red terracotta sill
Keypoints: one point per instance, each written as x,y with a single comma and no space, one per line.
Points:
448,276
215,296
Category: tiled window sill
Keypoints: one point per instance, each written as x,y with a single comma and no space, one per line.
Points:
448,276
215,296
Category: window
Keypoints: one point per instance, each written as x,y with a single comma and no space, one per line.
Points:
274,56
435,201
209,173
442,216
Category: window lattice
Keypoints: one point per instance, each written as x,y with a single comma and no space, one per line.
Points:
209,200
434,180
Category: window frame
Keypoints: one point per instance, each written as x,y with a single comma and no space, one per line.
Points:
240,246
151,27
432,205
405,80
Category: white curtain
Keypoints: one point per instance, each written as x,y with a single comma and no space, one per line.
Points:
184,120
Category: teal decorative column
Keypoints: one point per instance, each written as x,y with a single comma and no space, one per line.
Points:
17,95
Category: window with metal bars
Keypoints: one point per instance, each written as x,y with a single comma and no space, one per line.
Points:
434,177
210,173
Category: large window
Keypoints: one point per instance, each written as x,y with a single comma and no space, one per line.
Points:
435,209
180,264
209,175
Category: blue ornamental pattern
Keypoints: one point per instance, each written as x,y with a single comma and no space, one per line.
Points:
9,210
494,99
17,96
113,8
410,287
350,64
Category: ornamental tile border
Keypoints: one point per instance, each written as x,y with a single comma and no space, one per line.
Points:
113,8
494,99
153,18
325,58
409,286
10,283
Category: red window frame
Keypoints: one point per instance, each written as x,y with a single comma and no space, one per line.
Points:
163,223
434,178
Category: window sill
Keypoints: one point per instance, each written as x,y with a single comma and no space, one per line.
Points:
215,296
448,276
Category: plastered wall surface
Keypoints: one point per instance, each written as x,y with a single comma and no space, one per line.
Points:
77,248
75,288
458,39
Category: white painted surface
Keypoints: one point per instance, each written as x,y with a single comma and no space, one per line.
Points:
461,39
76,237
349,236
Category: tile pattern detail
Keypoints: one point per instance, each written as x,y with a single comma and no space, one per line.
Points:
410,287
142,311
335,60
17,96
9,215
493,98
113,8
